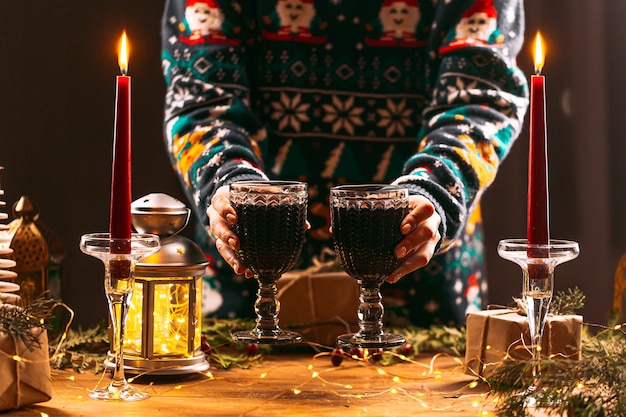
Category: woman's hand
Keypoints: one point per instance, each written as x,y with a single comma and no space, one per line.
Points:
421,235
221,218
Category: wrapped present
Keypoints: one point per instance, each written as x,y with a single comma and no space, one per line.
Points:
319,305
494,336
24,368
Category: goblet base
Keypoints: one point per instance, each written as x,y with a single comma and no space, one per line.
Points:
385,340
126,392
279,337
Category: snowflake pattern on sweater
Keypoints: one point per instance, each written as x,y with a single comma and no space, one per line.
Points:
423,93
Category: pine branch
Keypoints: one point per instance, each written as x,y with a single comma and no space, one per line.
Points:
20,321
566,303
590,387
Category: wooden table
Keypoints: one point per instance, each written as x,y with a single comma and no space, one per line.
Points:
285,384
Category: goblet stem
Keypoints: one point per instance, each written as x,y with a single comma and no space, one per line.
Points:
267,308
370,312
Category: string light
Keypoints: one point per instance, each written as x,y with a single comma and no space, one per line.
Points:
395,386
171,307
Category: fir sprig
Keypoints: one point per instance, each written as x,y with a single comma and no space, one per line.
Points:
223,352
82,349
566,303
20,321
590,387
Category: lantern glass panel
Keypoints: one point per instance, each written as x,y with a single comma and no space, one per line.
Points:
175,315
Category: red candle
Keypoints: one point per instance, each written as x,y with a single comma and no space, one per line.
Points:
120,224
538,208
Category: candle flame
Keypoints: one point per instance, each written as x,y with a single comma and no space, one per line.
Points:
123,54
539,54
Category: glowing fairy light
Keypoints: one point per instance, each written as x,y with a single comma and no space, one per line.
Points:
170,310
297,391
263,375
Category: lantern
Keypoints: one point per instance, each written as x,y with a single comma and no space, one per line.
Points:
163,330
37,252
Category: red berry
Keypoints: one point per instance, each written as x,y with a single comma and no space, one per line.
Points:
204,345
375,354
336,357
406,349
252,349
356,351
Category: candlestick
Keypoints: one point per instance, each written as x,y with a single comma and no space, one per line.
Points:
120,223
538,201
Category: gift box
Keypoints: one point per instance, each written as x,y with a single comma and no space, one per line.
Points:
318,305
24,370
495,336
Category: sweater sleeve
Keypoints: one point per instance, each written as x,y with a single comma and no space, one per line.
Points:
211,135
479,100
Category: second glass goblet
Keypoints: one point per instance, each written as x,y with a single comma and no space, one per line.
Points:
365,222
271,222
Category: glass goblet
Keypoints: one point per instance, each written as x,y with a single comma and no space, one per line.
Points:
365,221
271,222
538,262
118,284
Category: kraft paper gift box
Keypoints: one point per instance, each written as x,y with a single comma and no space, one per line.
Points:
318,305
496,335
27,380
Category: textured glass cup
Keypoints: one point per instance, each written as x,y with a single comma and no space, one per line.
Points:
365,222
118,284
271,222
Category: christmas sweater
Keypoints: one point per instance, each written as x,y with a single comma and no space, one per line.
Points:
422,93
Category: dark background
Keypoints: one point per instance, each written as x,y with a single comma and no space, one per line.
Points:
58,62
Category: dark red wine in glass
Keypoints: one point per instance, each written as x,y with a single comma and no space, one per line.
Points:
271,222
366,222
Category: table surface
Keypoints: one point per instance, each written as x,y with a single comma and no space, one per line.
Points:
285,384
